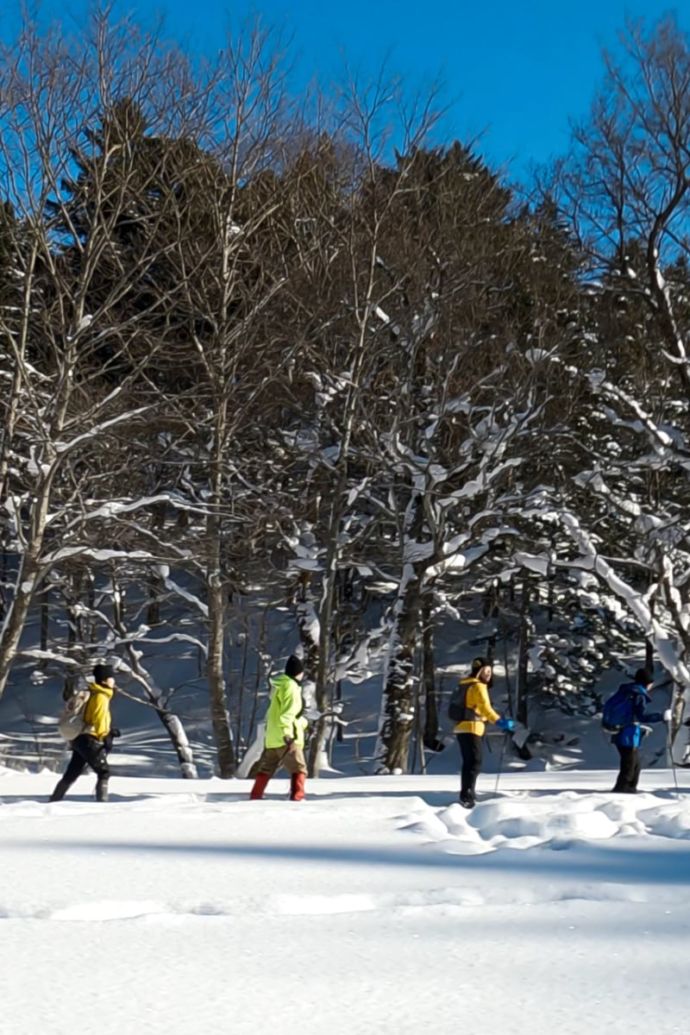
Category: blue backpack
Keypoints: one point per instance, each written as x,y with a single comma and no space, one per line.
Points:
618,710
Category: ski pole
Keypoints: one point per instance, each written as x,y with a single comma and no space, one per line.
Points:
670,738
500,762
669,748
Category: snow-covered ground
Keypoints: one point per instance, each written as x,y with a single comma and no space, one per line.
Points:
378,905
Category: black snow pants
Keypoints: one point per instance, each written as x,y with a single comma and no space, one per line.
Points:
471,751
91,752
629,772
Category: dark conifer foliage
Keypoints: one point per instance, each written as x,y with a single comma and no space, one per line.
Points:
258,372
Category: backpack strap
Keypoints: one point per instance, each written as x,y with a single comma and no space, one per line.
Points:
469,714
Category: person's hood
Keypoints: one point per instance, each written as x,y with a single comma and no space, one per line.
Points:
282,680
636,688
100,689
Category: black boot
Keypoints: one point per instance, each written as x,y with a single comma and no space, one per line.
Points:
102,788
60,791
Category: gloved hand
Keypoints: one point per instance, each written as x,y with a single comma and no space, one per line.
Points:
288,741
507,725
115,732
668,715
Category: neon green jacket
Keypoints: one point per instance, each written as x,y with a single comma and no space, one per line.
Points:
284,717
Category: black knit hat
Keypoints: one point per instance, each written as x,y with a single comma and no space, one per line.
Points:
103,672
294,666
643,677
477,664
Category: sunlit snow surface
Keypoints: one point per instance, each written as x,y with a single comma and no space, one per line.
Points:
378,905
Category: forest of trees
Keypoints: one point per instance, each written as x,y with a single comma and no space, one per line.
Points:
300,352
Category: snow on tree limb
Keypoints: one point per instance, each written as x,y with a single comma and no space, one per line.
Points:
62,448
672,659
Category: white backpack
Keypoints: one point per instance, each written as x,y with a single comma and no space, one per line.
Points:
71,720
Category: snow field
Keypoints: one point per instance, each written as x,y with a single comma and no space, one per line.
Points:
376,905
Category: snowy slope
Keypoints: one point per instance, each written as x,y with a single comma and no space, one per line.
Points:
376,906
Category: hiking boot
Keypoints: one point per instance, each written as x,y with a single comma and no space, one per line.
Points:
102,789
260,785
297,781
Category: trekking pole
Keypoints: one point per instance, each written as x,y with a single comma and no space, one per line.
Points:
500,760
283,756
669,746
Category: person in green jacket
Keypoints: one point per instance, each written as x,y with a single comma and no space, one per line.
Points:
285,729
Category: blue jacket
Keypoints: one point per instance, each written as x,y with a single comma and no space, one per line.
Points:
631,736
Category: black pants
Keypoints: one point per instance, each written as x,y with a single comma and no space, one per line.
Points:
86,751
471,751
629,772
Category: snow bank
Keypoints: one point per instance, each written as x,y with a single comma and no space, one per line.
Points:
525,822
376,905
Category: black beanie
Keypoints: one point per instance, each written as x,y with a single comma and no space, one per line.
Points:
103,672
477,664
643,677
294,666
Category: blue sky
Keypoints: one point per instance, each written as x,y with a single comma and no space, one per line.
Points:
513,71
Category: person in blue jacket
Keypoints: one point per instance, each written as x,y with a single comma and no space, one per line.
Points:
629,738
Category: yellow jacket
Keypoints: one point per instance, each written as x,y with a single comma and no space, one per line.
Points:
477,702
97,711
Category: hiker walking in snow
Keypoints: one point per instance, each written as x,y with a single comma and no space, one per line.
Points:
285,729
91,747
471,709
623,714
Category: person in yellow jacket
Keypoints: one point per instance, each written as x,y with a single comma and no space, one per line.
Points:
471,728
91,747
285,730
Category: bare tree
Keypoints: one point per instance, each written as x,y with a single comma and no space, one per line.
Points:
72,343
228,256
626,191
625,186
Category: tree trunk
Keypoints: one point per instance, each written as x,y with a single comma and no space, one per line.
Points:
45,620
521,680
153,612
171,722
260,675
16,615
240,692
220,718
29,574
398,703
649,656
73,622
317,745
308,624
178,739
428,676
